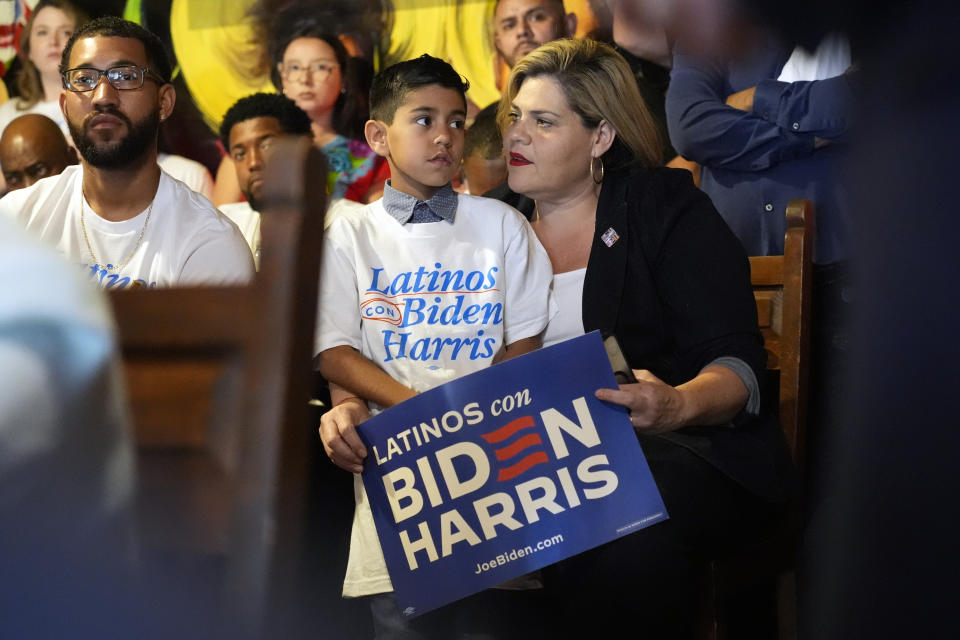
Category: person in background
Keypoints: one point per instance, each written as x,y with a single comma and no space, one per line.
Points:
520,26
117,213
491,162
312,68
47,30
249,129
484,166
646,48
33,147
786,118
38,81
311,71
782,138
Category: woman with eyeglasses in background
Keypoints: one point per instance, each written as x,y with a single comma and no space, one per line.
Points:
311,66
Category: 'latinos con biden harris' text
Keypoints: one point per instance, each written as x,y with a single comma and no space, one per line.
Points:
466,468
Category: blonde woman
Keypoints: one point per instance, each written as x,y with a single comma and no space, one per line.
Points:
38,80
639,252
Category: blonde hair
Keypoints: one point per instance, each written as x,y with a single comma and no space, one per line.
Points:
29,85
599,86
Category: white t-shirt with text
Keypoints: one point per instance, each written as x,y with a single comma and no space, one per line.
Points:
186,241
427,303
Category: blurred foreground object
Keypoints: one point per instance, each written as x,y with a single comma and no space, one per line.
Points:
219,380
66,473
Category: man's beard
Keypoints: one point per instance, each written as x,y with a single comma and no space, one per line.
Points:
116,153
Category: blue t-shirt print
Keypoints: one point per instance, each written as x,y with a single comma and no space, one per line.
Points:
105,279
434,299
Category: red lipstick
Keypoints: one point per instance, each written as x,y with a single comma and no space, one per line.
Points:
517,160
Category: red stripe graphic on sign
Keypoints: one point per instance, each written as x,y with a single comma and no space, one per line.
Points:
526,441
516,448
511,472
508,429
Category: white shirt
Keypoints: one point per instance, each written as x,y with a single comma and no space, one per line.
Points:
248,220
9,112
568,292
185,241
427,303
189,172
831,58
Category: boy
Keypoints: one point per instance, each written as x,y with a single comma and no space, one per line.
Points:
419,287
484,166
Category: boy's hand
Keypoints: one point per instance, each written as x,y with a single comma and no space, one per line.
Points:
339,434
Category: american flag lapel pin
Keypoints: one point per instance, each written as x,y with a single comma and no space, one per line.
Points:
610,236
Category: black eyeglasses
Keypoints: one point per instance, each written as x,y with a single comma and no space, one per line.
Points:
125,77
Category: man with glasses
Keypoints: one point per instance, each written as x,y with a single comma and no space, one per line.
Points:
117,214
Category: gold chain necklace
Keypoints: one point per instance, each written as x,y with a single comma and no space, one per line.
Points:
93,256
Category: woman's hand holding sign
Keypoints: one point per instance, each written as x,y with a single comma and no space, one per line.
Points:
338,430
713,397
655,407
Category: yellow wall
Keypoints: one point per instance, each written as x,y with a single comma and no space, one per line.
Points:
214,49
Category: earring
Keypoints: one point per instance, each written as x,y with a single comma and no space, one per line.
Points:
593,171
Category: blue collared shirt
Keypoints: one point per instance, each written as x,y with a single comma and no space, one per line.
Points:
407,208
754,162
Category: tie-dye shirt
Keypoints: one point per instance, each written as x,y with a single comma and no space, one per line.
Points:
354,168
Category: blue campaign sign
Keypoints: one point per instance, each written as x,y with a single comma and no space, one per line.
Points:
502,472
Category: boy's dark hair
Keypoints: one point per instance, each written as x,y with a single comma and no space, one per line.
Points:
113,27
293,120
391,86
483,136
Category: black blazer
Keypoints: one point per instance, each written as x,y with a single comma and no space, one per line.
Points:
674,286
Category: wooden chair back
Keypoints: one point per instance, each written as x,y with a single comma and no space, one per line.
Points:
218,380
782,287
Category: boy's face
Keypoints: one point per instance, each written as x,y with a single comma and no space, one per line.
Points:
424,144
